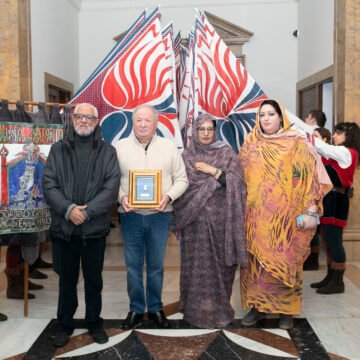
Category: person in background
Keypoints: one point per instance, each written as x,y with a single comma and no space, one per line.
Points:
340,160
3,317
15,271
210,218
81,181
285,182
315,118
323,134
145,231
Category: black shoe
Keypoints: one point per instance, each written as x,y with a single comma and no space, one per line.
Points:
312,262
99,335
133,319
33,286
61,338
160,319
36,274
286,322
40,263
18,294
336,284
252,317
3,317
325,280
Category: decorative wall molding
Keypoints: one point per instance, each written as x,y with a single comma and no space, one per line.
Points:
233,35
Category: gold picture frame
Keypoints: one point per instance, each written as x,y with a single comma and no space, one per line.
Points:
144,189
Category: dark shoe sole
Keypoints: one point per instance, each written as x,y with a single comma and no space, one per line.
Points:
251,323
323,291
60,343
44,265
132,327
311,268
128,327
33,286
20,297
132,321
100,338
317,286
101,341
37,275
286,326
162,326
159,319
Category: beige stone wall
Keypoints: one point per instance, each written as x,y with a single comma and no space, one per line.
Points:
15,50
347,98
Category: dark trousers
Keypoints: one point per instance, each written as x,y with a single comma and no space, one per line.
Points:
315,241
68,255
334,241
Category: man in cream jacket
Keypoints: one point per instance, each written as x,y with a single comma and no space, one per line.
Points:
144,231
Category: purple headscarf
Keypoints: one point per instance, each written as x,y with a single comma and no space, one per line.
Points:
204,190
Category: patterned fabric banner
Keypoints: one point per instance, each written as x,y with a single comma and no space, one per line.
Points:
23,154
148,65
218,84
140,69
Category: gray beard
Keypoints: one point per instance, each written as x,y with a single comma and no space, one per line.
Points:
82,132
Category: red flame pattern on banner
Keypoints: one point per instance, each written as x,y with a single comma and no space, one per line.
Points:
137,77
219,92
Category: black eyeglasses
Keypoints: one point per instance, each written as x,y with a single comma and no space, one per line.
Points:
203,130
90,118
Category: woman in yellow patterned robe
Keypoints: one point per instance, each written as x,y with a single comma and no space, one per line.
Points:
284,179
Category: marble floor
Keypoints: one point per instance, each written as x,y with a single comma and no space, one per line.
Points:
329,321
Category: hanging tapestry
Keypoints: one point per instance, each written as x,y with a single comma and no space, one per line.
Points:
24,148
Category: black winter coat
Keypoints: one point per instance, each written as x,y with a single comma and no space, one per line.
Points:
102,186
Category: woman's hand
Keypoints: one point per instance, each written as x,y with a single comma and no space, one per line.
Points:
308,222
205,168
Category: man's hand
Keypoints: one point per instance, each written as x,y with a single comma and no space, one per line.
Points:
125,204
77,216
164,203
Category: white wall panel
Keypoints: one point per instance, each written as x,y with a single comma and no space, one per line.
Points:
316,36
54,40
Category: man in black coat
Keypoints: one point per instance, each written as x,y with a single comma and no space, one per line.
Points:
80,183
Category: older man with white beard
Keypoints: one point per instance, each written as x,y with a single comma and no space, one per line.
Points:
81,182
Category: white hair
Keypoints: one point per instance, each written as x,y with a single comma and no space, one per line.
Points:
94,109
155,113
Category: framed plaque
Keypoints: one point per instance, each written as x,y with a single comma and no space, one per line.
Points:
144,188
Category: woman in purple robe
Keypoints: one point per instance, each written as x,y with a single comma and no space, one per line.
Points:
210,219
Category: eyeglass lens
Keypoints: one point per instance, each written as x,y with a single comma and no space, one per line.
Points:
87,117
203,130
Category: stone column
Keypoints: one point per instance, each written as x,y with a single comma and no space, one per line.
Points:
15,50
347,99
